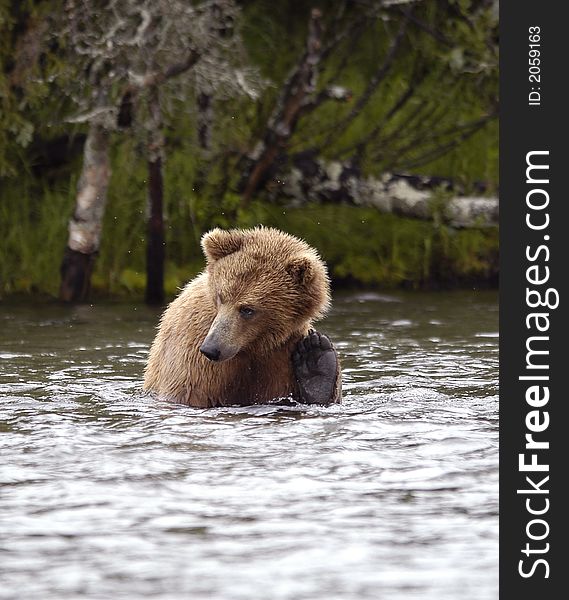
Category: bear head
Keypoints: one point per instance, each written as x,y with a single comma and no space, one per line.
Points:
266,286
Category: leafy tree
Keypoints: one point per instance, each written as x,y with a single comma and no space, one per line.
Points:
131,56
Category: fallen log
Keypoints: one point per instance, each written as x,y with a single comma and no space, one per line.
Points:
312,179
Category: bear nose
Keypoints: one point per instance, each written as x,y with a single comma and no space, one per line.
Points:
209,352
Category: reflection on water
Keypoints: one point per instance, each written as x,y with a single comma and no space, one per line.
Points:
108,493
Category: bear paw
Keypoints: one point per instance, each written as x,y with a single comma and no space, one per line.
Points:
316,369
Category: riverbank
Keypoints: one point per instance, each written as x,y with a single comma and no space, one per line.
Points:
362,247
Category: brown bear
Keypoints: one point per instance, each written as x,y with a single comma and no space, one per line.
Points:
241,331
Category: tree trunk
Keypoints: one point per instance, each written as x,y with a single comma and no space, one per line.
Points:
204,116
85,226
205,120
296,93
155,244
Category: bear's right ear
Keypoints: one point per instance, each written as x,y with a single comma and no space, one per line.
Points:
219,243
301,270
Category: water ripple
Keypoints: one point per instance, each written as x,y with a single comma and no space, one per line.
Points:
106,492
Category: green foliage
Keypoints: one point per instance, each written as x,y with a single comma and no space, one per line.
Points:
363,246
25,73
360,245
456,85
448,56
33,226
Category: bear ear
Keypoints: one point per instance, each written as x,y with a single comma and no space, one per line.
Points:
301,270
219,243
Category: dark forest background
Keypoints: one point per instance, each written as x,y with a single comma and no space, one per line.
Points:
128,128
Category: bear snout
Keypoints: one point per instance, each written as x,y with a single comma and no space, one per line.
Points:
210,351
221,341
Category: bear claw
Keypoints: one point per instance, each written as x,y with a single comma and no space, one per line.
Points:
316,369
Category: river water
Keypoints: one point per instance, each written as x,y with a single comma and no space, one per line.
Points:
106,493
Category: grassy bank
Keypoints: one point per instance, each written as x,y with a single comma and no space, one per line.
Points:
360,245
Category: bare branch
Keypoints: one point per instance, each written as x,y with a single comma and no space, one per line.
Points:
333,92
350,31
441,150
155,78
300,85
372,85
428,134
427,29
374,134
93,115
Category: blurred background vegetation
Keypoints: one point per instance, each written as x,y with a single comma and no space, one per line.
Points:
417,94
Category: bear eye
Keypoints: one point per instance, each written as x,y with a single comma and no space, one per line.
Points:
246,311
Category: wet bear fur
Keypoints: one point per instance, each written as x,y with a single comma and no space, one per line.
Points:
258,297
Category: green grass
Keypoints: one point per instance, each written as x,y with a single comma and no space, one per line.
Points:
360,245
33,233
365,247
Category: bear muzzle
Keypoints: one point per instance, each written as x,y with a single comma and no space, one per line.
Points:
218,345
210,350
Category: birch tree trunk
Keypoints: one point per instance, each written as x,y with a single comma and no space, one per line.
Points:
85,226
155,243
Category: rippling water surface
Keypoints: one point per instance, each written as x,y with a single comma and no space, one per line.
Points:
107,493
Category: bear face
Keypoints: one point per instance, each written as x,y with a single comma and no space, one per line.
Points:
265,286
